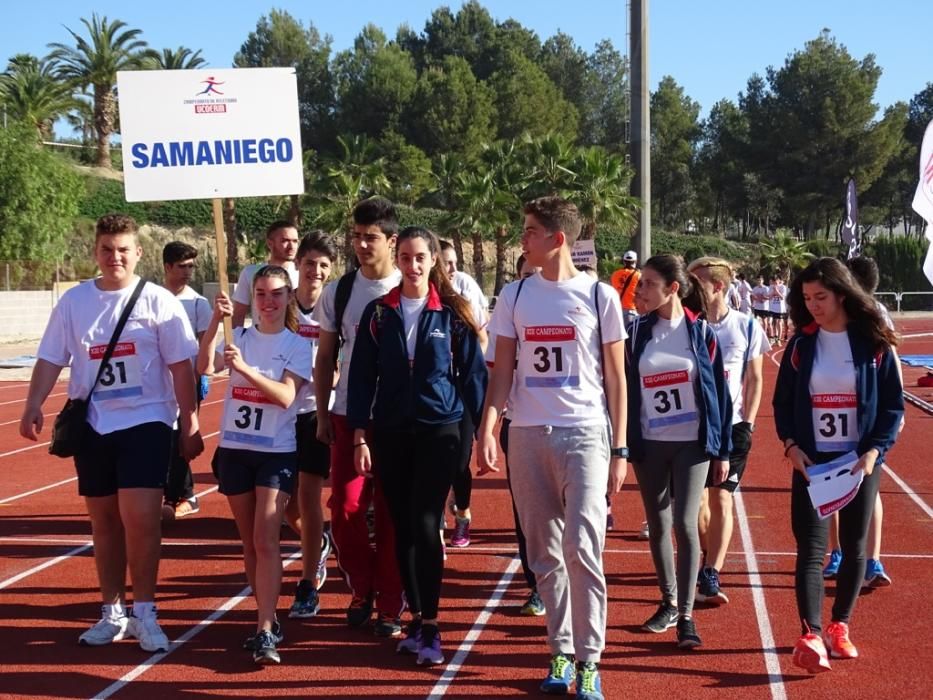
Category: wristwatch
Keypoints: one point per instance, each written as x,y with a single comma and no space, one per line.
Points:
619,452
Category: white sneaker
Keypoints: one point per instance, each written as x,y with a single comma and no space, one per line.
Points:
147,631
107,630
643,533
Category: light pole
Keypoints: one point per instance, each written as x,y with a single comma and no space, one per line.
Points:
640,140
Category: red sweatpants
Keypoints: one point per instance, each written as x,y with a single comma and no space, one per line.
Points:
367,572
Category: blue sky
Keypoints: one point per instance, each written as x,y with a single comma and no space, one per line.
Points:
711,48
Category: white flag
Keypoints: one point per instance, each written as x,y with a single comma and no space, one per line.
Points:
923,197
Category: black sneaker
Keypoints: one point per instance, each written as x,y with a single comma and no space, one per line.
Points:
265,653
663,619
307,603
387,626
687,637
250,642
709,591
359,612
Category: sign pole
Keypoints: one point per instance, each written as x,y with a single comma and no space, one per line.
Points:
221,242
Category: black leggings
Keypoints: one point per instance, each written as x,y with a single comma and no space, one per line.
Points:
530,577
811,533
463,479
415,469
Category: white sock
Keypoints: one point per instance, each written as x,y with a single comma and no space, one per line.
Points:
115,611
143,610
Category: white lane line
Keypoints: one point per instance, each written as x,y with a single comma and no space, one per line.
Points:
50,396
16,420
768,648
129,677
25,449
915,335
10,499
444,683
909,491
45,565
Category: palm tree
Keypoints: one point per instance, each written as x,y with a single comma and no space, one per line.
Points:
600,189
550,159
784,254
508,169
31,93
110,47
181,58
446,170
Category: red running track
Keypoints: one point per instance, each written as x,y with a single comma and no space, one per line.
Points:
48,595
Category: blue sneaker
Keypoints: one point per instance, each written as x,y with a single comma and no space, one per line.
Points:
560,676
832,568
875,575
589,686
709,591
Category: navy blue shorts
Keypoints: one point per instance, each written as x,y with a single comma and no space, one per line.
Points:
241,471
133,458
313,455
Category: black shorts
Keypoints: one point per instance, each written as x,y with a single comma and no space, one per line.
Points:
133,458
241,471
760,313
313,455
778,315
738,458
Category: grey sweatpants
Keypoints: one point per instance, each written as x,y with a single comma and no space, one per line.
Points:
682,466
559,480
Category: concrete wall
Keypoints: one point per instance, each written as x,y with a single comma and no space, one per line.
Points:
25,314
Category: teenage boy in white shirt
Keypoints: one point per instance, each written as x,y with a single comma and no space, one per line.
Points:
123,462
178,264
373,576
743,344
282,242
560,460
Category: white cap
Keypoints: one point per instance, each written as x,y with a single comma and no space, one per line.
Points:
630,256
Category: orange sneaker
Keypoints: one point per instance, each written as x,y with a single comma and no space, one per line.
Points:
836,636
810,653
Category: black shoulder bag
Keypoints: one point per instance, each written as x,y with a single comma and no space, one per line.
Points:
71,423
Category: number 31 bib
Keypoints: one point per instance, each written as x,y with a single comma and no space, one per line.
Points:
835,427
668,399
121,376
251,418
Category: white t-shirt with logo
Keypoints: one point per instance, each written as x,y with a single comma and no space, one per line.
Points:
250,420
760,297
468,288
309,330
737,333
411,314
136,387
559,376
777,299
325,313
668,379
833,400
243,292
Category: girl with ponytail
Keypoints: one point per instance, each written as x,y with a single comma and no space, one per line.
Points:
680,418
417,366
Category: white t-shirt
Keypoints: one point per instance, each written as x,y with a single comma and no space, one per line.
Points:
468,288
732,297
668,379
760,297
777,299
251,421
325,313
309,330
737,333
198,310
137,387
559,377
411,313
832,394
243,292
885,314
745,296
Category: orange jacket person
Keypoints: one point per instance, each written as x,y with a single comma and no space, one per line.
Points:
624,280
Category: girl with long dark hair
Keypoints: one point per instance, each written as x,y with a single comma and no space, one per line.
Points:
417,366
838,391
680,419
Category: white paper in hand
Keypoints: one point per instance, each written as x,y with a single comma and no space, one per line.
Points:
833,485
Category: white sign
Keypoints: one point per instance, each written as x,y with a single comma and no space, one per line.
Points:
833,485
201,134
584,253
923,197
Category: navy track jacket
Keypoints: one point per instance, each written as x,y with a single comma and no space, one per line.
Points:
714,402
448,373
878,391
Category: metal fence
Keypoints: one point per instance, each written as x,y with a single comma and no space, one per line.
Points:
906,301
